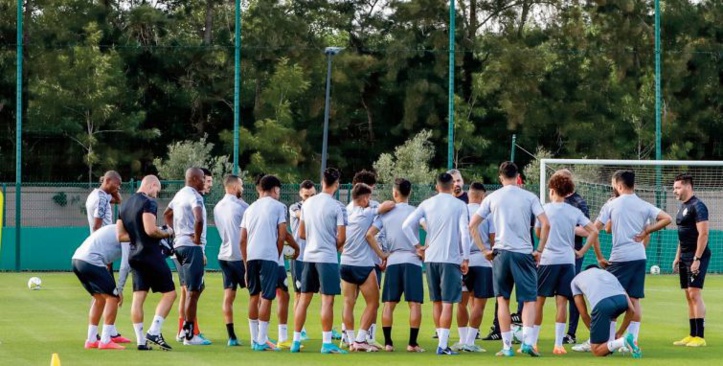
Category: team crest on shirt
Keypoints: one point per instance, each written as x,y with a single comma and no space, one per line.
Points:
685,211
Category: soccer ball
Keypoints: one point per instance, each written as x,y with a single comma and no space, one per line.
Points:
34,283
517,333
655,270
288,251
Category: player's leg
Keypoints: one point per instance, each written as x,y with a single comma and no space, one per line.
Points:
309,284
253,276
571,337
560,322
483,289
414,295
462,318
233,277
96,311
139,297
329,288
600,342
269,279
503,284
192,264
349,291
524,273
475,320
370,292
110,312
282,310
697,305
160,279
451,291
181,297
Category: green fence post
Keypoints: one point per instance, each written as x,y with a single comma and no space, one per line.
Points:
5,217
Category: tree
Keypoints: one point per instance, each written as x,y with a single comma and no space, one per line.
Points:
410,160
191,153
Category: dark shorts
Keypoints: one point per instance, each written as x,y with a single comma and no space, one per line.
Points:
478,281
687,279
262,276
95,279
234,274
356,275
281,281
445,282
296,268
181,277
320,277
631,275
403,278
151,274
516,270
379,275
607,310
555,280
191,260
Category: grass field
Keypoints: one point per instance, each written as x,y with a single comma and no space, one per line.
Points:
35,324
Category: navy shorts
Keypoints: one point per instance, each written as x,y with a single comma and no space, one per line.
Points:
234,274
607,310
95,279
181,277
151,274
516,270
191,260
555,280
631,275
281,282
321,277
478,281
403,278
688,279
379,275
445,282
356,275
296,268
262,276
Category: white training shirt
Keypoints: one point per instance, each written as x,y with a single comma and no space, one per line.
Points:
102,248
447,228
511,209
401,249
98,206
182,205
596,284
560,247
487,227
630,215
261,221
294,222
322,214
228,214
357,251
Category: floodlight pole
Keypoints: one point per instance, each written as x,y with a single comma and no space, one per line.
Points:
450,112
18,131
330,53
236,86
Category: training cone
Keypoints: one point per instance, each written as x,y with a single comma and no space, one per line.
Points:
55,360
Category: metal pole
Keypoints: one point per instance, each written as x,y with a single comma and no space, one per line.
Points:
658,151
450,112
236,86
326,117
512,148
18,131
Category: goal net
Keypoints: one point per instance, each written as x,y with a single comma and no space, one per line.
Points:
653,183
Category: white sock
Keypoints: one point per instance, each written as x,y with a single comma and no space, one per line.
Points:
140,337
297,336
616,344
443,338
506,340
349,335
111,329
613,329
155,328
283,333
634,329
471,336
105,335
254,329
372,332
361,336
527,335
325,337
263,332
559,333
92,333
462,334
343,327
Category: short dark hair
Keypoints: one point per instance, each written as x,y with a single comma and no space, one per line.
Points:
403,186
561,184
365,176
230,179
686,178
257,179
307,184
269,182
508,169
360,189
477,186
445,180
626,177
206,172
331,176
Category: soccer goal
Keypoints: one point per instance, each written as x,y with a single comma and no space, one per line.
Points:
653,183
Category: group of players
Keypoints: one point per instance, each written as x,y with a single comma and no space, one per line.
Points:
474,250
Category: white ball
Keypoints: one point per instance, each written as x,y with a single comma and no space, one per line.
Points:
288,251
34,283
655,270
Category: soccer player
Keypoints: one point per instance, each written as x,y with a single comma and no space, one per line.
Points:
306,191
692,256
478,284
630,216
404,266
98,203
263,230
557,263
186,214
515,261
446,220
323,227
137,222
228,214
357,266
91,264
608,300
458,185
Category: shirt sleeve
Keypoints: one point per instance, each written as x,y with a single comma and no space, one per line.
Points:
490,226
537,209
243,222
582,219
484,209
281,214
341,216
100,209
604,215
701,212
464,235
378,223
653,213
575,288
151,207
125,268
196,201
411,222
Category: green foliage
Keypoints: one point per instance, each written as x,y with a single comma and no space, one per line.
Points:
410,160
191,153
531,171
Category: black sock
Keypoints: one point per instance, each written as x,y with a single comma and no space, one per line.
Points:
413,333
230,331
693,330
387,336
700,327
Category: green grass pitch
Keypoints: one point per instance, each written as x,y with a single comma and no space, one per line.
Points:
36,324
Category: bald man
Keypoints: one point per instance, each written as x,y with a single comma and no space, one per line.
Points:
137,222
